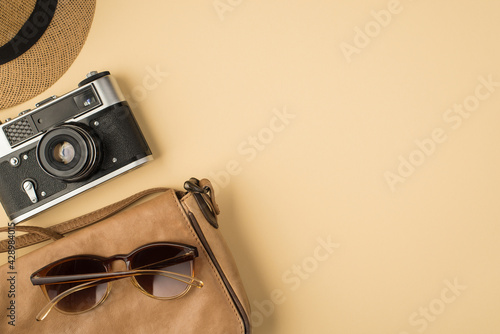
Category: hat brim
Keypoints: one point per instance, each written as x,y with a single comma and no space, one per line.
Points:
49,58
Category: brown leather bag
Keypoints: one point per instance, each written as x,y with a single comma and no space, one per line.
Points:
189,217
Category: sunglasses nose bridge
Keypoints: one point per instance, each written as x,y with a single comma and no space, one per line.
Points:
118,257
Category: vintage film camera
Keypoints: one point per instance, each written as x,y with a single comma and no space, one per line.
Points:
67,145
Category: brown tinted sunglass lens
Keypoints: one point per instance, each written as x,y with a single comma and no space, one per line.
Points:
154,258
82,300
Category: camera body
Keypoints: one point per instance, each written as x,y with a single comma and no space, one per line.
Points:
67,145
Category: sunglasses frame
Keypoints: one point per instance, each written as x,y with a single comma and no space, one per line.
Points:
37,277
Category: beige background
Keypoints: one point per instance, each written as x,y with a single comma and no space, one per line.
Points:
420,256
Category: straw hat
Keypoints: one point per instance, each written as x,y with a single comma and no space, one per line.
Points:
39,40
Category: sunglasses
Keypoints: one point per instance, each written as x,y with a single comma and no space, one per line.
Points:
80,283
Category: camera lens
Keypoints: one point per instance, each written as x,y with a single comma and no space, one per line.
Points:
70,152
64,152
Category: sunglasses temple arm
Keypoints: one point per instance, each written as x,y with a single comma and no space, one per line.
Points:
176,276
47,308
171,261
179,277
60,279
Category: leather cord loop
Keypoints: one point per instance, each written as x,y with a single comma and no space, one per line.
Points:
206,184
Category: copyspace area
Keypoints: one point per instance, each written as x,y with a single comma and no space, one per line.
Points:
353,146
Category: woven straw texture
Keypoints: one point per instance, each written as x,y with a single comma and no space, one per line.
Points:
37,69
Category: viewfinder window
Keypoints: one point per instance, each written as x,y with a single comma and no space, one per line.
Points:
86,100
